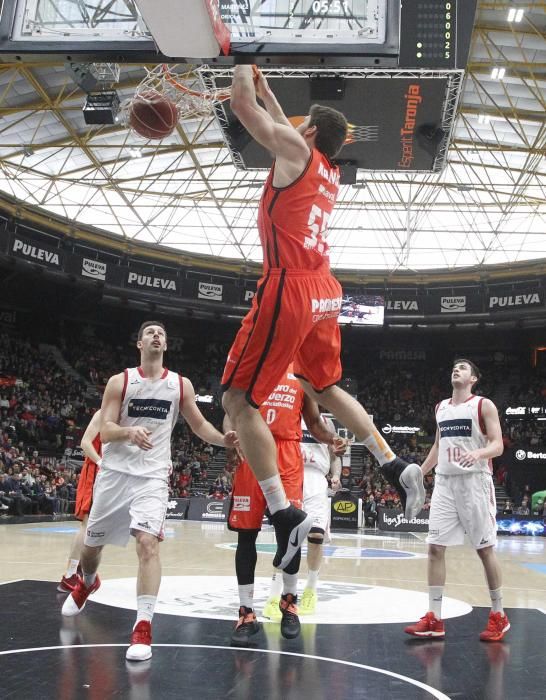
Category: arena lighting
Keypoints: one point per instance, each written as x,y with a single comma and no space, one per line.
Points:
498,73
515,15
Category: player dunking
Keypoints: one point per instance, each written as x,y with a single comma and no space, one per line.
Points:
282,411
468,436
139,411
91,446
294,313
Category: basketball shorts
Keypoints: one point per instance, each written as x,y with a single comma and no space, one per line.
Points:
123,504
293,318
248,504
84,492
463,503
315,499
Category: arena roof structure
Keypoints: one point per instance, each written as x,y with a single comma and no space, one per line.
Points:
487,206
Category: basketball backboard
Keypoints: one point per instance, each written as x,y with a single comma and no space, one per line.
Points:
381,33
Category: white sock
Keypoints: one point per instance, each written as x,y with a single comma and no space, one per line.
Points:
435,595
72,567
312,578
246,595
274,494
379,448
89,579
496,600
290,583
276,585
145,608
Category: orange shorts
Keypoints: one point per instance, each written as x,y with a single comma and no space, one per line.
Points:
84,493
293,319
247,507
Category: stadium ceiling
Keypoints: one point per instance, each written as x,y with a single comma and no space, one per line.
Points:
487,207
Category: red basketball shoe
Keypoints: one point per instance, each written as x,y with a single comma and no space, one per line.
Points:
76,601
141,642
497,627
428,626
67,585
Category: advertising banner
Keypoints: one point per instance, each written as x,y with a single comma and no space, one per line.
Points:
530,413
345,511
398,121
395,306
202,508
393,520
528,456
151,280
453,304
177,508
515,300
36,252
210,291
247,295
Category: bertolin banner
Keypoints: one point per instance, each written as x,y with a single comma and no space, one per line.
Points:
393,520
36,252
515,300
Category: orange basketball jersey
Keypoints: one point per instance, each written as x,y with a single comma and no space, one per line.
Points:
293,220
282,409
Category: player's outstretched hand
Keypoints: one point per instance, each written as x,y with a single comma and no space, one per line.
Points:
141,437
231,439
339,446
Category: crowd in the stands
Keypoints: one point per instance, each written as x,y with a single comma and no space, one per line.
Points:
45,407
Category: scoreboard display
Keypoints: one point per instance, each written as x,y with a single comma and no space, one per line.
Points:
433,28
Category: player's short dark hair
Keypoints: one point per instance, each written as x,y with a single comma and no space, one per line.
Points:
149,323
473,367
331,129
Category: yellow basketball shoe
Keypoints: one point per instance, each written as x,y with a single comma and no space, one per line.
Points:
308,603
272,610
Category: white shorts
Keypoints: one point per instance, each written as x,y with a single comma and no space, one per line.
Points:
315,500
463,503
123,503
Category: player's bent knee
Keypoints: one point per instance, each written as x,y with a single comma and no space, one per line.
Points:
436,550
147,545
316,535
234,401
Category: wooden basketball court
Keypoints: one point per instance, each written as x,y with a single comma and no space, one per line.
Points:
372,585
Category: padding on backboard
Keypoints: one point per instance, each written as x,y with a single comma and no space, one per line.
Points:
189,28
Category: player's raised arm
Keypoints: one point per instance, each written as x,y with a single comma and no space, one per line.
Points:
277,135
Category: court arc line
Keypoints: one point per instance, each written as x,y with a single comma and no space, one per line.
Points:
432,691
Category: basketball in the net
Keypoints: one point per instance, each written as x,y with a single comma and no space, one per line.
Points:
153,115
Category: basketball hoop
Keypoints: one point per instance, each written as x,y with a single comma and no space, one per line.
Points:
163,98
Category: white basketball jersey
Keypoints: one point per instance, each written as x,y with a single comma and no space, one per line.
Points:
316,455
153,405
460,429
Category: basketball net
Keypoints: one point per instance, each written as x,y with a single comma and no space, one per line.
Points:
178,88
355,132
